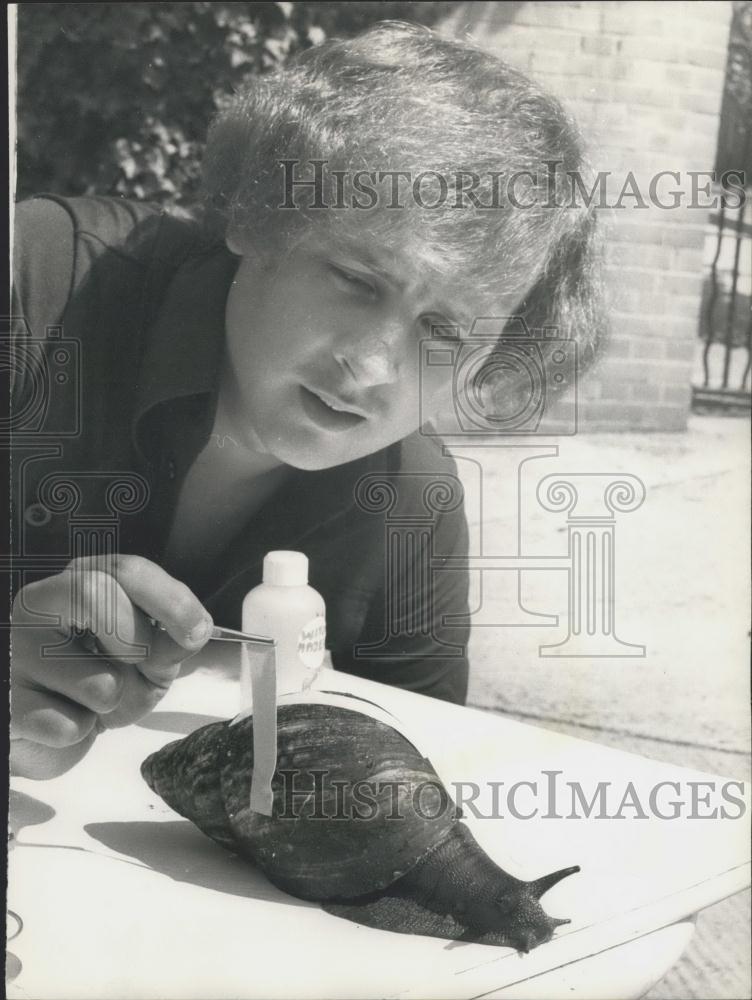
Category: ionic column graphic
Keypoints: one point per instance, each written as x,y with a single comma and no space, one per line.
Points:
409,557
500,601
93,534
591,501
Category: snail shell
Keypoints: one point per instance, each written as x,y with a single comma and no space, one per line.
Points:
361,823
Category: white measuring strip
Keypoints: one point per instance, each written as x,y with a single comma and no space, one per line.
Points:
263,670
260,664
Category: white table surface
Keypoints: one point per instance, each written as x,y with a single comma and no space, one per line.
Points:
121,898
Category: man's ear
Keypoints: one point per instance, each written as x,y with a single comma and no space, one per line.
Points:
239,245
233,242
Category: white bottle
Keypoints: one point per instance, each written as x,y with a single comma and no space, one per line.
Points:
287,609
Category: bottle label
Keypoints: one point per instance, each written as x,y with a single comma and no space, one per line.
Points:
312,641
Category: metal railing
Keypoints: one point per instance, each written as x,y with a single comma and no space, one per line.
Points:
726,315
727,312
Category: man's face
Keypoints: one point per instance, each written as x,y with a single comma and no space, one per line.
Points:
323,350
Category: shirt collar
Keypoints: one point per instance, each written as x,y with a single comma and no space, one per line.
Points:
186,339
307,504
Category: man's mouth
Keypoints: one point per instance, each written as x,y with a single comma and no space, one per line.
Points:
329,412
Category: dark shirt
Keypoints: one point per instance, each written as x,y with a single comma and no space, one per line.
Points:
119,330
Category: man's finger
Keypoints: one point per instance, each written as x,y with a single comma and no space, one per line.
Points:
160,657
48,719
146,683
97,684
156,593
33,760
163,666
112,628
140,696
87,601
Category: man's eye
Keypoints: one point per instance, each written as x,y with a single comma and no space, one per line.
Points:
350,282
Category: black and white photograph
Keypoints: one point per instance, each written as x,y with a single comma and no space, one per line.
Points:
379,527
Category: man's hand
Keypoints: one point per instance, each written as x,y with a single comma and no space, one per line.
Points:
112,665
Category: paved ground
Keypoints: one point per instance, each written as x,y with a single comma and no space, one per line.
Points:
682,590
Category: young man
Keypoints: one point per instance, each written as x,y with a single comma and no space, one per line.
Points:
251,376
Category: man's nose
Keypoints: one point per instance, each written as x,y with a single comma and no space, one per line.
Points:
374,357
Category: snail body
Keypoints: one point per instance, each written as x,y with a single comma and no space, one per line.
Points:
361,823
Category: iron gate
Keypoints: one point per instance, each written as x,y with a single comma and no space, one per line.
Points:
726,319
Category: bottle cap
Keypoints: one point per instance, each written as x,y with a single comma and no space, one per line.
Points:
286,569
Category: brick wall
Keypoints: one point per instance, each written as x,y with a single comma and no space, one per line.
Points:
645,81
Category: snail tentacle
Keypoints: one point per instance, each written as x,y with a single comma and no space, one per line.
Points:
383,861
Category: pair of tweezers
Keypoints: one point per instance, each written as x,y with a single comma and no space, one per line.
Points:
230,635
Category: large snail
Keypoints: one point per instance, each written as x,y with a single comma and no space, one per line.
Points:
361,823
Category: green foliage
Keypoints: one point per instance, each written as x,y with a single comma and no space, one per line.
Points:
116,98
